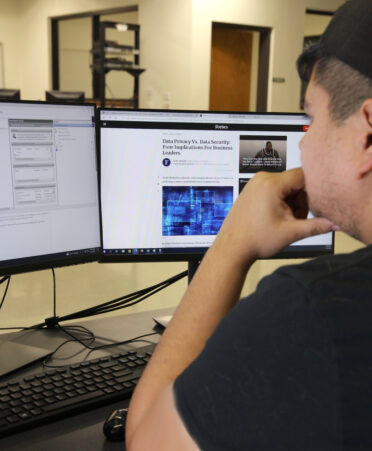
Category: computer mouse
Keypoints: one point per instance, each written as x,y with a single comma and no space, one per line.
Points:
114,426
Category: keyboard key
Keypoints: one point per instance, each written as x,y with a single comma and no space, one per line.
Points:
5,413
15,403
124,360
27,406
37,389
140,362
39,403
69,402
27,392
15,389
131,364
123,373
107,364
108,390
56,378
29,378
24,415
81,391
12,419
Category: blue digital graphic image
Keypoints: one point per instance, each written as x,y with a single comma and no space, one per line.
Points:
195,210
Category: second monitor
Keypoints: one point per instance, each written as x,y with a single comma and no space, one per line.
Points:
169,178
64,96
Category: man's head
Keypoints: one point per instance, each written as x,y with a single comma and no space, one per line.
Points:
269,146
337,150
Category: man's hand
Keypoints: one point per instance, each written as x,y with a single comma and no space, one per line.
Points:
269,214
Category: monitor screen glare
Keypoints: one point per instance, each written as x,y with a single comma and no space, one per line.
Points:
49,207
169,178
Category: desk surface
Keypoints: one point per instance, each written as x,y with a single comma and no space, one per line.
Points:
82,431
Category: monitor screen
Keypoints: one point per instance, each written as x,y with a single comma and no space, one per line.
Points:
169,178
64,96
49,206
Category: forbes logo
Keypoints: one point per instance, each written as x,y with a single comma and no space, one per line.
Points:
221,127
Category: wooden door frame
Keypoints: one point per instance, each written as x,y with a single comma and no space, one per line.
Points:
263,60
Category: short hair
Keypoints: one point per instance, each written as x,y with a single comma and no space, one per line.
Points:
347,87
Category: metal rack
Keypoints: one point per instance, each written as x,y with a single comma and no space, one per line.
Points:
109,55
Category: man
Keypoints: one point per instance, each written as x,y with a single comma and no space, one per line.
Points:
290,367
269,159
267,151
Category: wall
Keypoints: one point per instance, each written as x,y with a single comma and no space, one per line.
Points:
11,43
166,53
315,24
178,58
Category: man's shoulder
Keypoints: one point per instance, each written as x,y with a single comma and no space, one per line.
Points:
326,266
341,276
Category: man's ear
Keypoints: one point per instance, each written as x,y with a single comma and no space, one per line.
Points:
366,111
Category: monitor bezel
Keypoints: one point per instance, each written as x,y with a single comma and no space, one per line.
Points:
287,253
48,261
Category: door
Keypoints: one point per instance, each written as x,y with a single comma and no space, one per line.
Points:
230,78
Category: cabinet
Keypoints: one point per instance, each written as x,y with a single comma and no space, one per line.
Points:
110,55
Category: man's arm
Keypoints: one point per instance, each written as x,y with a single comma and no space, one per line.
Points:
267,216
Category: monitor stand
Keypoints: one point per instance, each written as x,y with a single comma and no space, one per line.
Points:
192,267
14,356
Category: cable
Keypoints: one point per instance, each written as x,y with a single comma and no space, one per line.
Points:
88,346
7,278
54,294
109,90
109,306
115,304
4,279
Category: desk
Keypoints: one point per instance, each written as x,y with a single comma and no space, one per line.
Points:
82,431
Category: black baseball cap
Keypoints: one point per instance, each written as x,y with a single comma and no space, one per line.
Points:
347,37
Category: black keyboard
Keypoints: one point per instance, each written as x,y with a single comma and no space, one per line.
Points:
34,400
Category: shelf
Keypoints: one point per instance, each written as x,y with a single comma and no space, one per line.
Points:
103,63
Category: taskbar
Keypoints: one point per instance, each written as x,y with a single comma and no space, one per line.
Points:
155,251
294,251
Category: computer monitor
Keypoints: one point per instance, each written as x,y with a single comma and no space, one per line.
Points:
10,94
64,96
169,178
49,204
